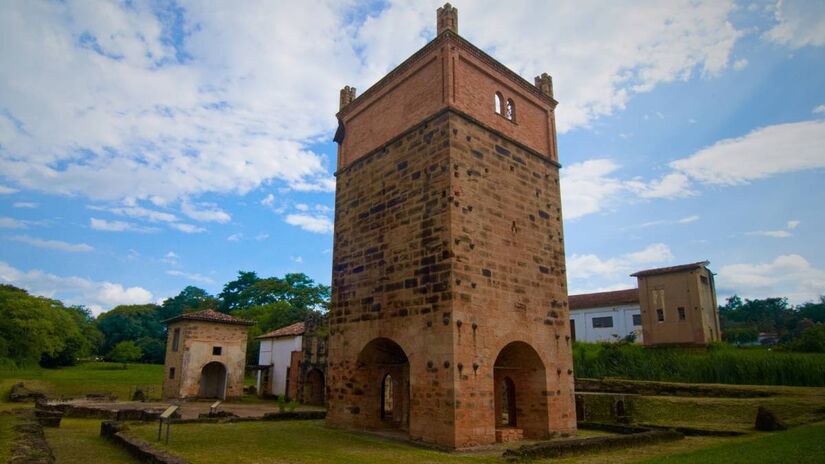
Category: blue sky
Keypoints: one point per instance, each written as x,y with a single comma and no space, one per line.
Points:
147,146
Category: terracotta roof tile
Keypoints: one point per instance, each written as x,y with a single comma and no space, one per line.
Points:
602,299
210,316
288,331
665,270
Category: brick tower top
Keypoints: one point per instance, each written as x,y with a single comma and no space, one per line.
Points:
447,19
447,74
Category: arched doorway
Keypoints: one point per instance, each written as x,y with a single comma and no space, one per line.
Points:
520,383
386,371
213,381
314,388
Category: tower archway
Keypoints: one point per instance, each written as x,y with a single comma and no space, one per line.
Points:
385,369
520,383
213,381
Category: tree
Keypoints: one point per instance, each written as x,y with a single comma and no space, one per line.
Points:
812,340
231,298
188,300
125,352
130,322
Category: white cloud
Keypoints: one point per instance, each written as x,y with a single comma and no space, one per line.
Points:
7,190
24,204
757,154
588,266
660,222
235,237
771,233
191,276
588,188
799,23
740,64
268,200
674,185
74,290
302,207
296,259
793,224
11,223
117,226
171,258
205,212
819,109
58,245
261,236
790,276
138,212
311,223
187,228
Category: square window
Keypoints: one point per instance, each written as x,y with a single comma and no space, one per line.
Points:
681,313
660,315
637,319
216,351
605,322
171,372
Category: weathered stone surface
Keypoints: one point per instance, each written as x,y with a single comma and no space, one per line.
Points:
561,448
48,418
138,395
30,446
20,393
767,421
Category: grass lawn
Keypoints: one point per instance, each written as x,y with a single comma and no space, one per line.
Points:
801,445
78,440
6,424
91,377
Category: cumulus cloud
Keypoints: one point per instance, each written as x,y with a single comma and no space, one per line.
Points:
819,109
12,223
754,156
97,295
674,185
171,258
24,204
791,225
798,23
187,228
4,190
268,200
58,245
311,223
790,276
588,187
117,226
205,212
590,265
235,237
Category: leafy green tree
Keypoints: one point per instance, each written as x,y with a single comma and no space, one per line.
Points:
812,340
130,322
188,300
125,352
231,298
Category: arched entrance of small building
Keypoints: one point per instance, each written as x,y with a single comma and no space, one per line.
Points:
520,383
386,370
213,381
314,388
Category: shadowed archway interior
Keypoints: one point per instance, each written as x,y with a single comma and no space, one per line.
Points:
520,385
213,381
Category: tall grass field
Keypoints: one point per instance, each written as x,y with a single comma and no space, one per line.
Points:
716,364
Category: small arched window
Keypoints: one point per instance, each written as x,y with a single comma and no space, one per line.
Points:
510,110
499,102
387,397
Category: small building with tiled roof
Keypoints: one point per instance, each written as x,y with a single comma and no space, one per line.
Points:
674,305
279,360
605,316
205,355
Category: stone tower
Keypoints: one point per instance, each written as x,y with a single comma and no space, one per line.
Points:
449,317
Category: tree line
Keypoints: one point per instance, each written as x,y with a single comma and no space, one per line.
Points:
45,331
796,328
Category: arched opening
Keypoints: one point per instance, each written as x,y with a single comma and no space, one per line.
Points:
520,386
499,102
213,381
314,388
385,369
508,403
510,110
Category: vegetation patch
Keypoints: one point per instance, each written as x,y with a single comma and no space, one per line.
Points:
78,440
554,449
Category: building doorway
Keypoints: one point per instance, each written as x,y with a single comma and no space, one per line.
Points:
213,381
520,383
385,368
314,388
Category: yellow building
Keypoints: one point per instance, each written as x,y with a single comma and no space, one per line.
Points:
678,305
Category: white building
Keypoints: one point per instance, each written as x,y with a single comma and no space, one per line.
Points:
605,316
281,351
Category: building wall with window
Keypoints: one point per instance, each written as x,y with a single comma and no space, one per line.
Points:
277,351
606,324
678,305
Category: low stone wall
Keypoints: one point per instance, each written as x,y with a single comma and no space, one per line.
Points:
91,412
138,448
30,446
554,449
602,407
667,389
272,416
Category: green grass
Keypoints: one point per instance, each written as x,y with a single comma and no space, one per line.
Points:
801,445
78,440
6,433
292,442
718,364
92,377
